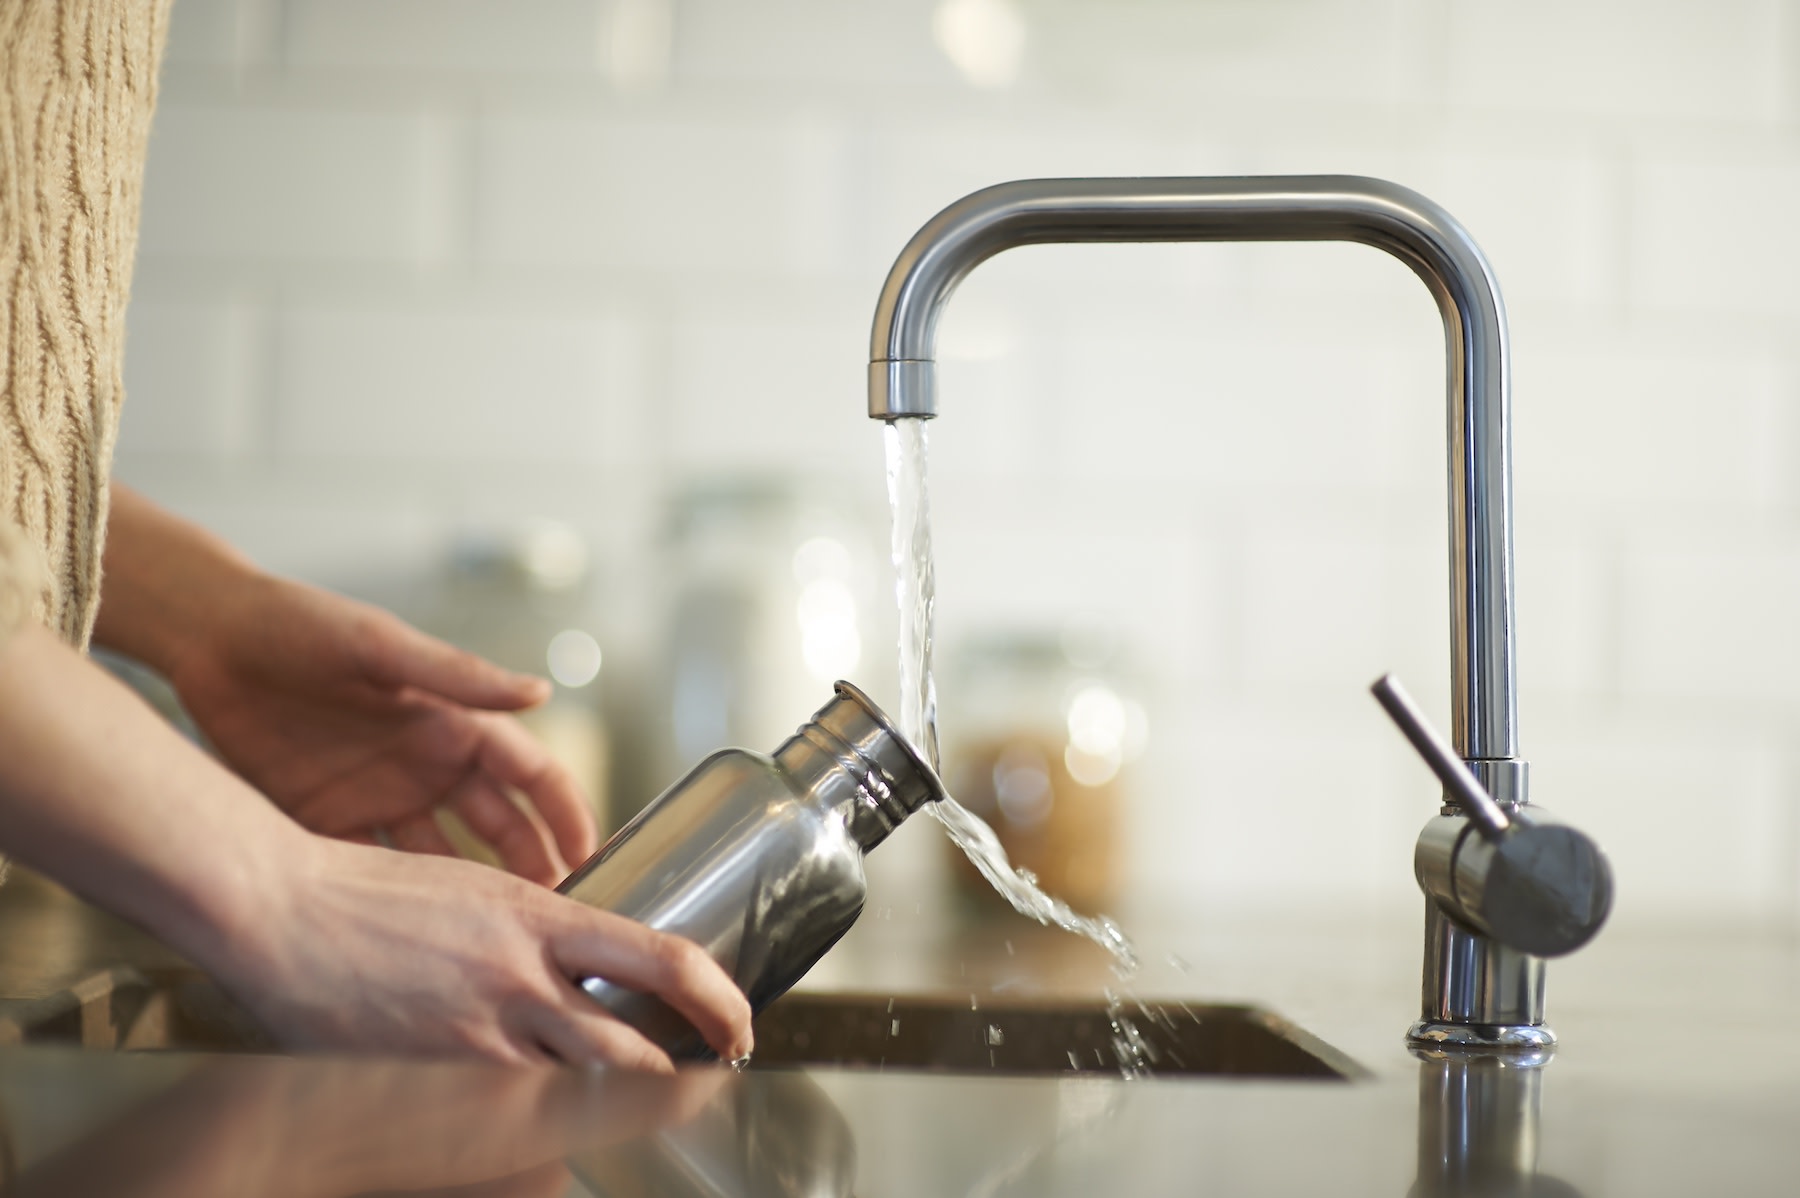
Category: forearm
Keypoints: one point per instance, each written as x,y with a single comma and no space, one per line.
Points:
164,583
99,793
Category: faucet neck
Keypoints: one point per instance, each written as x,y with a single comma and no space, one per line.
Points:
902,368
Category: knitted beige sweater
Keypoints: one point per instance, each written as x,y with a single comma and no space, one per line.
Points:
77,87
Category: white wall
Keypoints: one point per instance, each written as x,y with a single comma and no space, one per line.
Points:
411,267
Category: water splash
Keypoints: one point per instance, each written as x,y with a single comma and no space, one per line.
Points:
1018,887
916,590
1135,1055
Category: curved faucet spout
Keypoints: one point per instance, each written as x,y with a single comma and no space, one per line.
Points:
1298,208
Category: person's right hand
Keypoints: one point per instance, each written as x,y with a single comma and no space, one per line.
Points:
369,949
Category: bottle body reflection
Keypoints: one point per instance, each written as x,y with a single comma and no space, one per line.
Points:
775,1133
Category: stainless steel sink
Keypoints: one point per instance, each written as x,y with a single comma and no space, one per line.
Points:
182,1011
1155,1038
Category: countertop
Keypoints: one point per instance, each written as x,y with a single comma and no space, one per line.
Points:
1678,1074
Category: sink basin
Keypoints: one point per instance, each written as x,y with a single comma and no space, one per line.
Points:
1036,1037
178,1010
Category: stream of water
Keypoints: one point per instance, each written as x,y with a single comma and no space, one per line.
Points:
909,495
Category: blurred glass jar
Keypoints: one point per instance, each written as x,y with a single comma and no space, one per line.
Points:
771,589
1041,731
523,600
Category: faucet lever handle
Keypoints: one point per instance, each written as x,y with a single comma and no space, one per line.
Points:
1459,783
1525,880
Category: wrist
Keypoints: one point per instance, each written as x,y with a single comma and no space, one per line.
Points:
231,920
171,591
102,795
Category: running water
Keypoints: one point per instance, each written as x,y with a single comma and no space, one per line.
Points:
915,582
916,588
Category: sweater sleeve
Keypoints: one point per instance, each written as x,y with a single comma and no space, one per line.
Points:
21,580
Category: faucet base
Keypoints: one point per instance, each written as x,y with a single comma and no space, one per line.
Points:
1525,1039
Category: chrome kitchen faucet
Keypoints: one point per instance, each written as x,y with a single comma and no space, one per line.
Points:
1482,985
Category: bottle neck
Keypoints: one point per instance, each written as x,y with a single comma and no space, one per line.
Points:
851,758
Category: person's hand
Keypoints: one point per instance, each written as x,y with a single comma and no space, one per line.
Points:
328,943
357,948
354,723
362,727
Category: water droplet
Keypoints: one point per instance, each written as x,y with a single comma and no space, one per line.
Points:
995,1037
742,1063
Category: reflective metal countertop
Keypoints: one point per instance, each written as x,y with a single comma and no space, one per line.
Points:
1624,1108
81,1123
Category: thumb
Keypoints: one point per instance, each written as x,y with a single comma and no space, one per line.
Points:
398,655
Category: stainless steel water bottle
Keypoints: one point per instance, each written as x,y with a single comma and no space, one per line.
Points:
758,859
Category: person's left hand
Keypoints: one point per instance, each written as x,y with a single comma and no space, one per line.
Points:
362,727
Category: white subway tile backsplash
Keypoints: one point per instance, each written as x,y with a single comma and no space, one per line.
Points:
1223,788
1708,226
1646,60
1328,607
236,34
997,371
1635,428
1239,52
1565,591
193,378
336,527
1707,618
474,383
1237,405
469,35
1050,557
252,182
663,192
753,393
798,45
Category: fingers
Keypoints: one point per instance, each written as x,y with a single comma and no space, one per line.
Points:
420,834
521,842
625,952
581,1033
517,759
394,654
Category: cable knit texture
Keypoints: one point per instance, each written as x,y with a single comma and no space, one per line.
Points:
77,87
